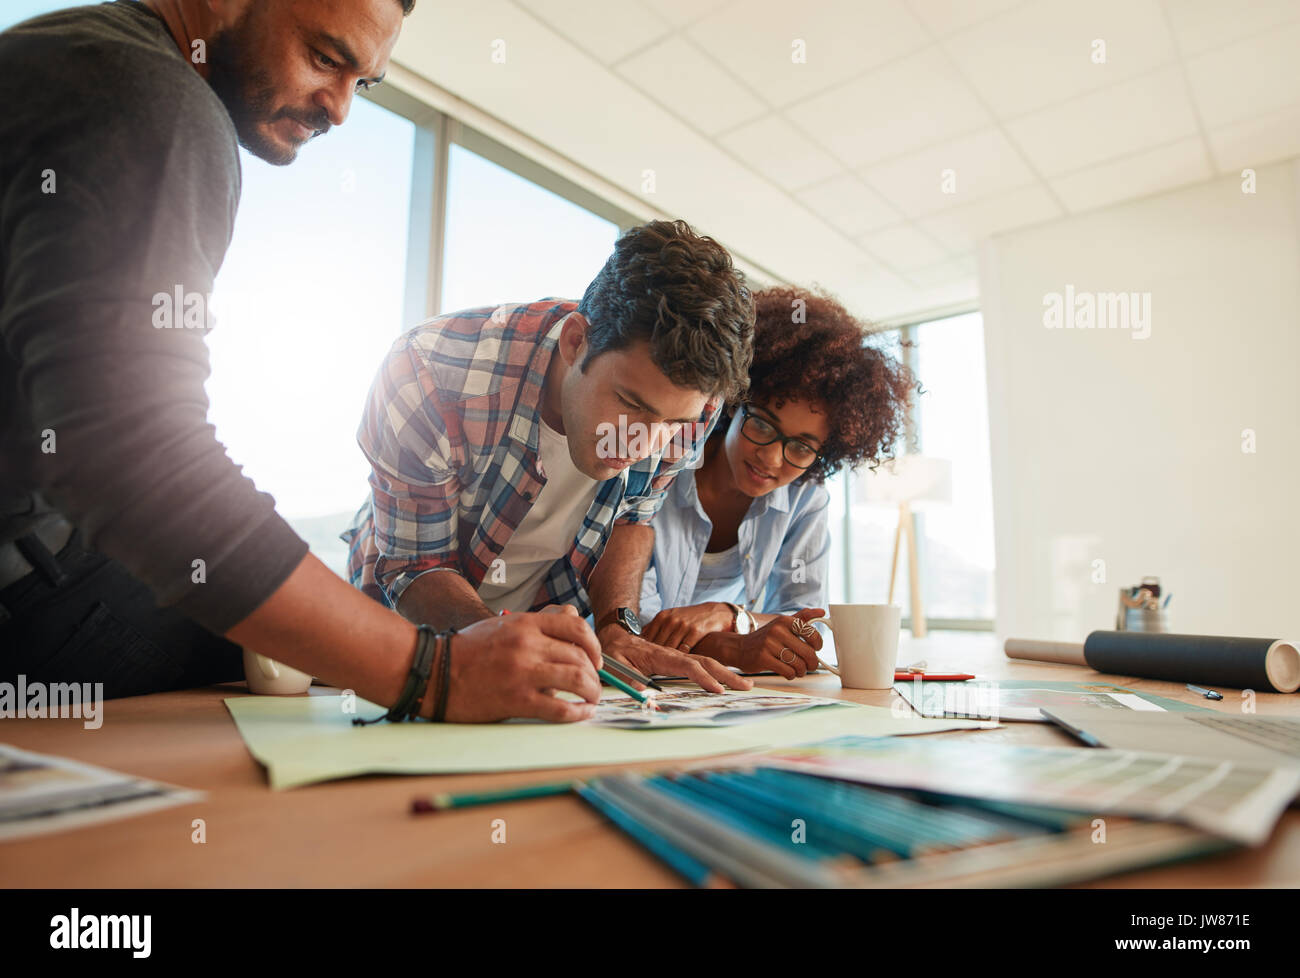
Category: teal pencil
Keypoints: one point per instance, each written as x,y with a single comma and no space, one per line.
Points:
636,694
908,829
836,834
441,802
696,872
735,854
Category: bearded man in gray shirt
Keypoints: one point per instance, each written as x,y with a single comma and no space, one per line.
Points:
130,544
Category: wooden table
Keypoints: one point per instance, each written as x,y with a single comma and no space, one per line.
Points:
359,833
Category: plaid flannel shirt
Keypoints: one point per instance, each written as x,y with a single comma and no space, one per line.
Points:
451,432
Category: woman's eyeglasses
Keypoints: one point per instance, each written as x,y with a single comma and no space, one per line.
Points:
798,453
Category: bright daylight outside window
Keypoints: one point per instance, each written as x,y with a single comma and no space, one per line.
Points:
956,538
509,240
16,11
308,302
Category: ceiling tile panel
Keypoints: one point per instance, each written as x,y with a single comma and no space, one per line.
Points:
910,104
690,84
762,42
780,152
849,205
953,173
1131,116
1179,163
1042,52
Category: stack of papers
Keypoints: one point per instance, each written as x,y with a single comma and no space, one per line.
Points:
693,707
1021,699
1234,801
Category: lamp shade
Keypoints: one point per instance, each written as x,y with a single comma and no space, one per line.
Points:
908,479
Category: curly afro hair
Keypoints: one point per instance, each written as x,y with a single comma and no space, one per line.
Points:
807,344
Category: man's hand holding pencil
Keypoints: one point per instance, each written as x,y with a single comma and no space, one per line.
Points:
509,666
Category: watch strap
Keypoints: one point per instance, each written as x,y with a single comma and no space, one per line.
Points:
615,617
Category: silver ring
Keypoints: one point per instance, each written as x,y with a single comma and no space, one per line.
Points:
684,648
784,659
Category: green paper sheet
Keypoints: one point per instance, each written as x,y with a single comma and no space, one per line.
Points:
305,739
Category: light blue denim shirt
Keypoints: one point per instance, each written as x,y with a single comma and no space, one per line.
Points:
784,549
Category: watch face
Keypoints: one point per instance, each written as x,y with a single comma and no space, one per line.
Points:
630,621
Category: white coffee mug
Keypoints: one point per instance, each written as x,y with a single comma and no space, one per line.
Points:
274,678
866,644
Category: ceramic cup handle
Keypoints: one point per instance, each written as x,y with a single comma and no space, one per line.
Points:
822,663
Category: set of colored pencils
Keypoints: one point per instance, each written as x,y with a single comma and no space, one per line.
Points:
771,828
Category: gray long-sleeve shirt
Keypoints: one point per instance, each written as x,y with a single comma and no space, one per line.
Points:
119,182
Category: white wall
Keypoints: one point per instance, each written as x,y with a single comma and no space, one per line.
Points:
1106,447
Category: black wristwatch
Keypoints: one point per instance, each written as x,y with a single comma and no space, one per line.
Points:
628,619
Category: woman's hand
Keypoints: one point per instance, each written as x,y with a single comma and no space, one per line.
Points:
682,628
777,647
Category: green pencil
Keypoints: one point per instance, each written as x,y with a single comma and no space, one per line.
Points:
636,694
441,802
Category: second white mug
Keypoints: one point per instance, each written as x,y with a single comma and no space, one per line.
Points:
273,678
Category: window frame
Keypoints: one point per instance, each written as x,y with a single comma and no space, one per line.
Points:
436,132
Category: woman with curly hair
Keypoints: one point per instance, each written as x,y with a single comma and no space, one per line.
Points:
741,543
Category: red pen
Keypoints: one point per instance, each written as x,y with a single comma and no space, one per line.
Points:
903,677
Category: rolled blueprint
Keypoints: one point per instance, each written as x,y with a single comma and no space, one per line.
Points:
1265,664
1207,660
1028,648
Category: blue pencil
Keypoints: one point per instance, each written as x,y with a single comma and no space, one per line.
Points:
780,812
737,854
686,865
881,830
745,821
917,826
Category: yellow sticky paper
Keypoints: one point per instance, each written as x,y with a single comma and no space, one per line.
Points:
305,739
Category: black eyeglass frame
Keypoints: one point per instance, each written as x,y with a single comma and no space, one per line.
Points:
781,436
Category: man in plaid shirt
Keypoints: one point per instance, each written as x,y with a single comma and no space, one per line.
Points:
518,454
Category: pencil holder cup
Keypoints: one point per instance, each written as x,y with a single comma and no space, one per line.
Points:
1141,620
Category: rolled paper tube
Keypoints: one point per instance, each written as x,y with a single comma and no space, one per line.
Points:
1028,648
1207,660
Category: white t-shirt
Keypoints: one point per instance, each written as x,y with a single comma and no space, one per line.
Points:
547,531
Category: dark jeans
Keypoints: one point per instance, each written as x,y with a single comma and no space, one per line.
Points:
101,625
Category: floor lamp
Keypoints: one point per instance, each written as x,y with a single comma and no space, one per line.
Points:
909,482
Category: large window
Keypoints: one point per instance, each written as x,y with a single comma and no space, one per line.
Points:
510,240
949,421
331,260
308,301
957,562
